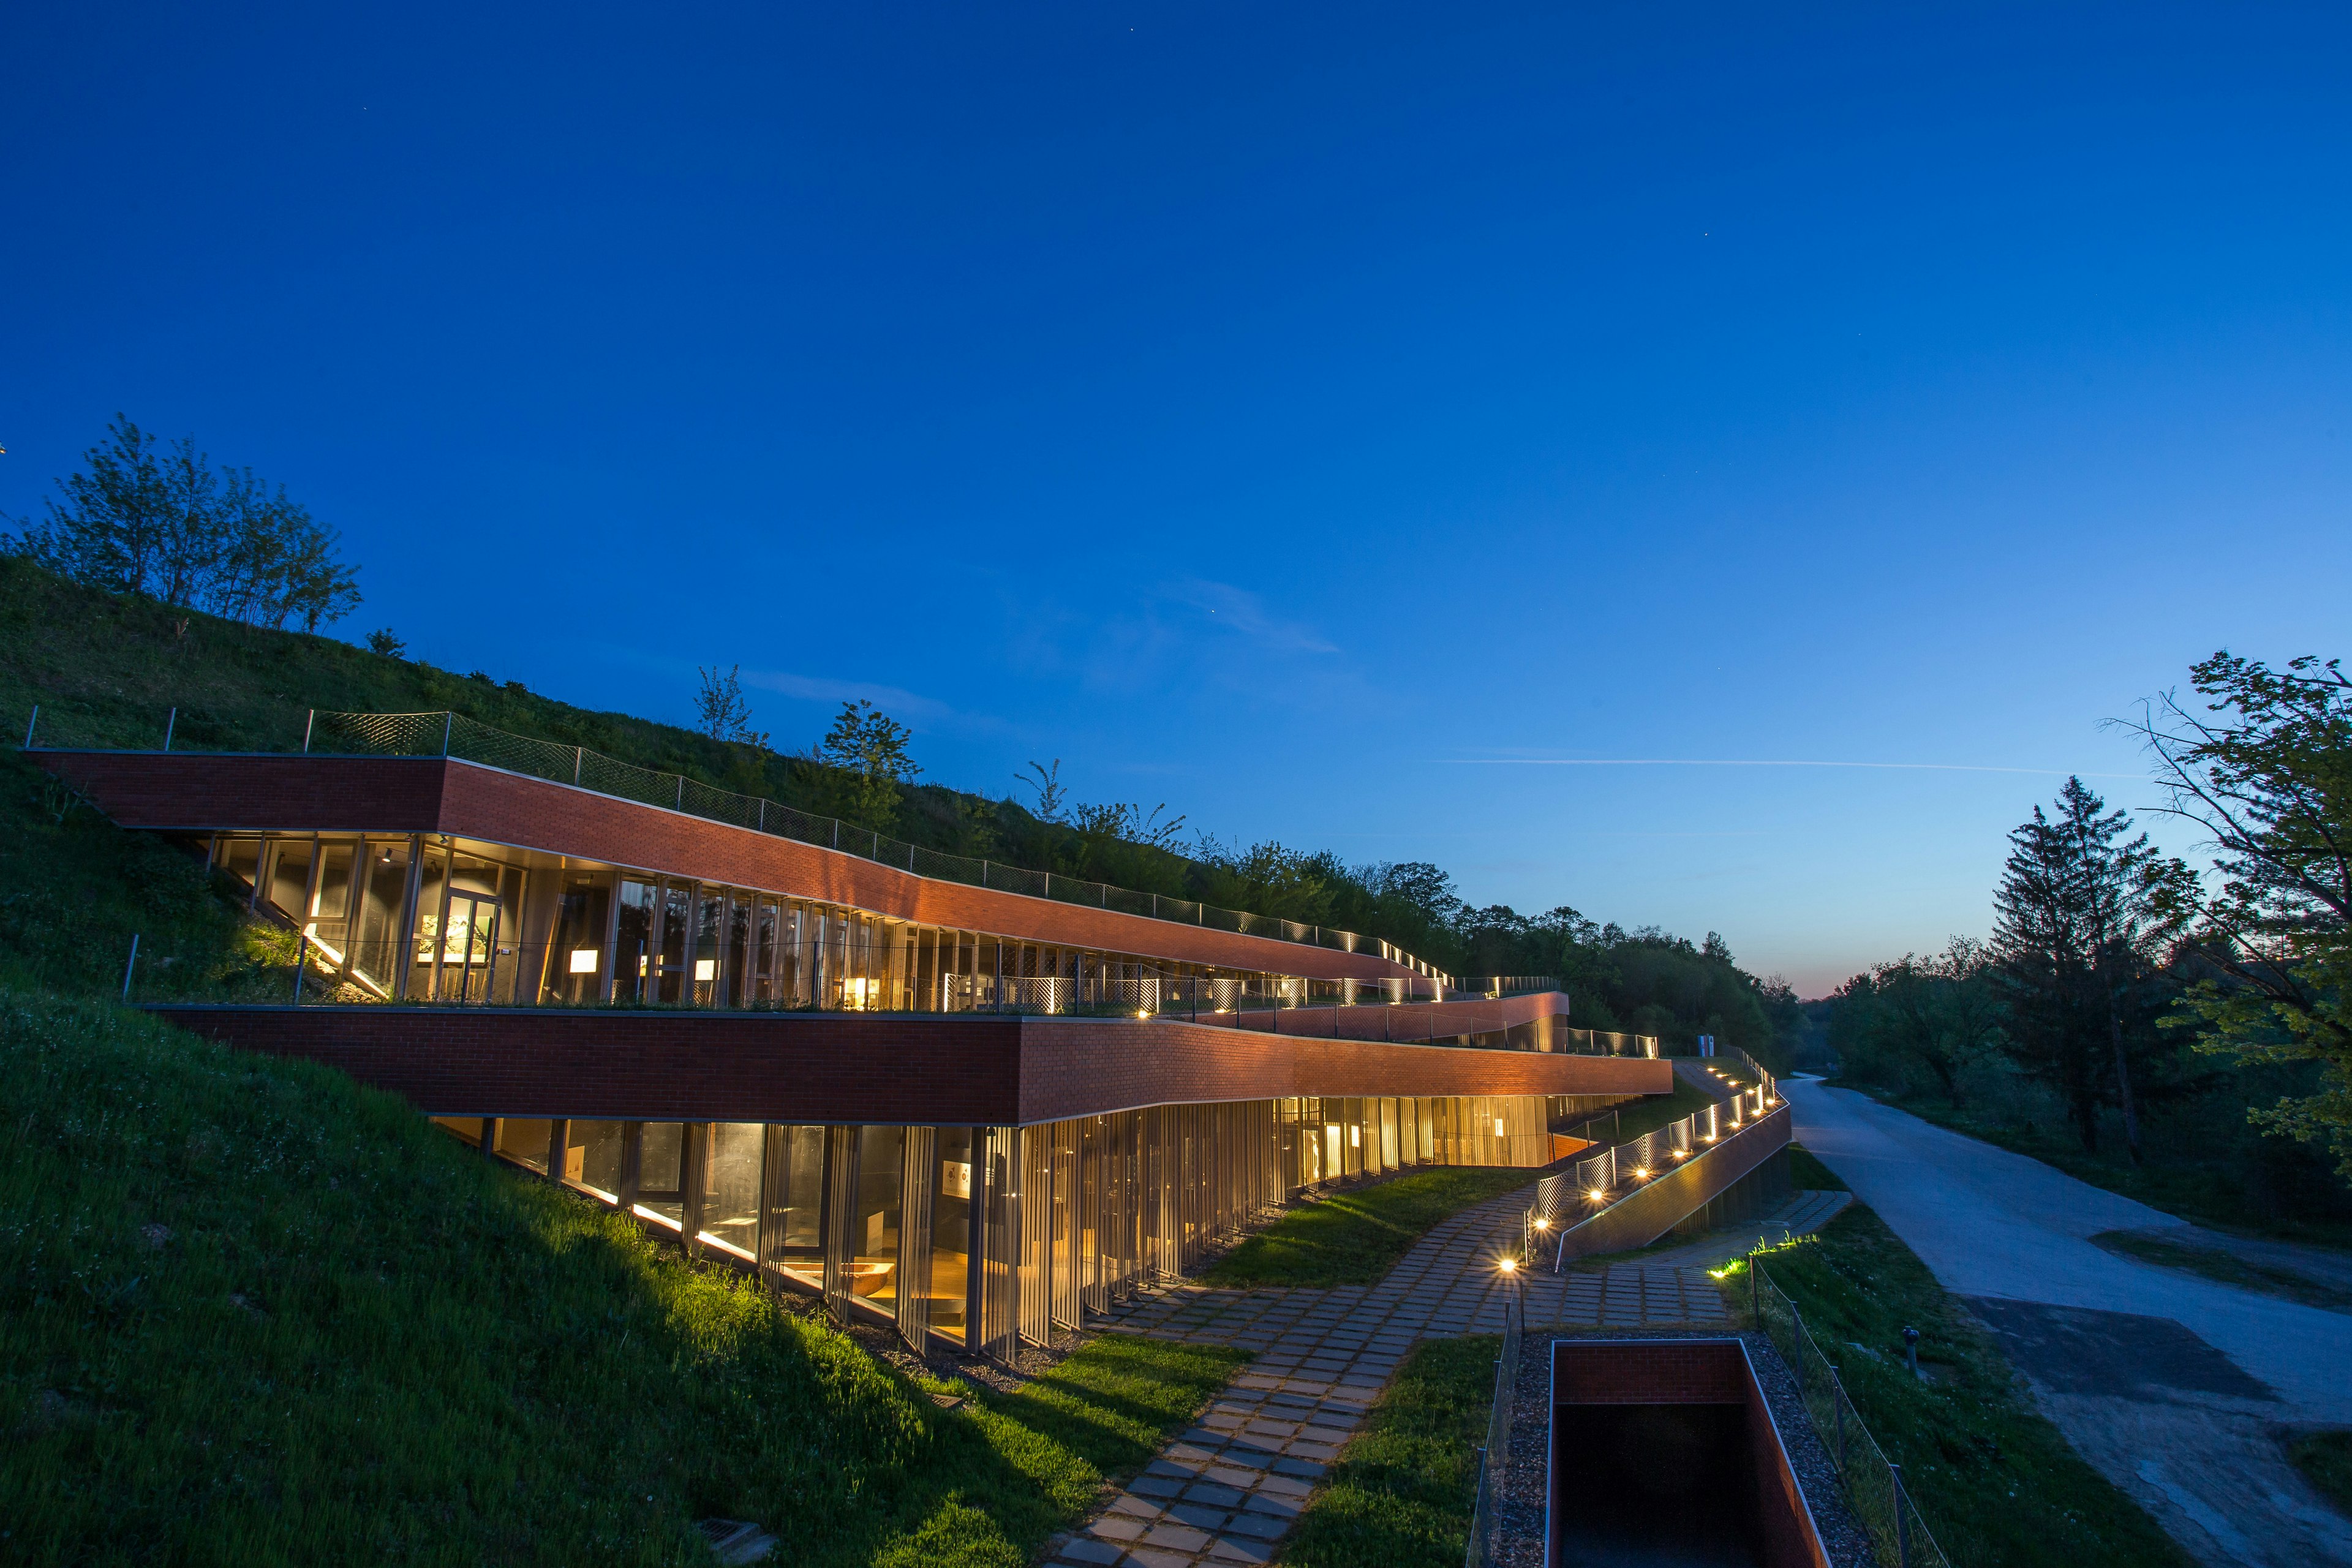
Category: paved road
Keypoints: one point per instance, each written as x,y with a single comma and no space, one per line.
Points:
2123,1354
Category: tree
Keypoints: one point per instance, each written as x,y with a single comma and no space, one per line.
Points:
1128,824
870,747
1938,1012
1053,798
2269,779
721,710
385,642
2084,921
163,524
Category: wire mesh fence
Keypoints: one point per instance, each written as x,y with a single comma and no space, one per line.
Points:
1874,1483
451,734
1494,1455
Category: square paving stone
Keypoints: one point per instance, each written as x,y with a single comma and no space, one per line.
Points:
1161,1486
1090,1552
1264,1526
1307,1469
1214,1495
1229,1550
1115,1527
1177,1536
1236,1476
1151,1557
1200,1516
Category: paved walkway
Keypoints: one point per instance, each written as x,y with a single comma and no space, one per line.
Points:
2174,1387
1227,1490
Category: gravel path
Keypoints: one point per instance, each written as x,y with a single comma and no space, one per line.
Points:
2178,1388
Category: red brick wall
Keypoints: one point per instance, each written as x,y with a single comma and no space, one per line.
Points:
1697,1372
200,792
834,1067
1648,1372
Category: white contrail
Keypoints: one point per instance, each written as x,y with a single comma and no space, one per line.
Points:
1781,763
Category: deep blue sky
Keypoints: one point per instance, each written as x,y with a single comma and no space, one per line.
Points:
1325,421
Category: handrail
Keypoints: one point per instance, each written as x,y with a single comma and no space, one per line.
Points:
1593,1187
443,733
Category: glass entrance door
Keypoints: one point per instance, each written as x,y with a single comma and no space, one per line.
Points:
469,946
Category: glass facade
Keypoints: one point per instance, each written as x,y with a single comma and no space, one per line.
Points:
434,920
992,1237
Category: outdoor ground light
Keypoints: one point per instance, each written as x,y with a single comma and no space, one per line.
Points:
1596,1194
1640,1172
1542,1224
1509,1264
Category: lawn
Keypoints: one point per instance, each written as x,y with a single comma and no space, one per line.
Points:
1402,1494
1997,1483
1647,1114
2227,1268
1354,1237
252,1313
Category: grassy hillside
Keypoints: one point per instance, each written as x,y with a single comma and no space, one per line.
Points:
106,670
251,1313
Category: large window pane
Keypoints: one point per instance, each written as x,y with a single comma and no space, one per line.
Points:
874,1233
735,972
951,1231
424,960
328,925
594,1160
289,878
730,1211
709,946
658,1188
633,941
573,967
797,1205
677,928
375,947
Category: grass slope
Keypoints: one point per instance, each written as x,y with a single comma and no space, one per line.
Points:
1354,1237
1997,1482
106,670
1806,1170
251,1313
1402,1494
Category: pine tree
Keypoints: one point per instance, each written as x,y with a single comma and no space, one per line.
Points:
2084,920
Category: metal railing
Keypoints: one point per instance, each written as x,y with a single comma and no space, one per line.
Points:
1596,1184
275,964
1495,1453
449,734
1874,1483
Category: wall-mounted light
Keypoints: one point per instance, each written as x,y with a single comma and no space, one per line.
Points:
584,961
706,969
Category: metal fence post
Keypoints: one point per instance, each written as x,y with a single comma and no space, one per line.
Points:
302,960
28,726
129,965
312,723
448,727
171,723
1837,1404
